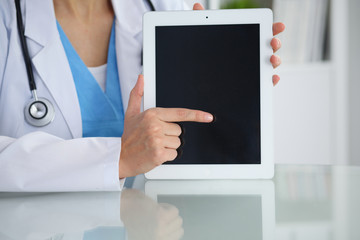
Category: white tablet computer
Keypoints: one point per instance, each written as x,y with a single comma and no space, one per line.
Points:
218,62
224,209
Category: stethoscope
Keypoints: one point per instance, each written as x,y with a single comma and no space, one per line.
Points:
38,111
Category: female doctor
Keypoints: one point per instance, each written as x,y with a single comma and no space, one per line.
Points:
82,129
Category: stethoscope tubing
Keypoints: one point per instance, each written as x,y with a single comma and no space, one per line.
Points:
24,46
151,5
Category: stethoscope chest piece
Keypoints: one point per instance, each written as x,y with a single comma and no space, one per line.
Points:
39,112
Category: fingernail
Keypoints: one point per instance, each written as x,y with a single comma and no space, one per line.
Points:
209,118
214,119
278,42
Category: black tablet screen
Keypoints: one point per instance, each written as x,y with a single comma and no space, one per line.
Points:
215,69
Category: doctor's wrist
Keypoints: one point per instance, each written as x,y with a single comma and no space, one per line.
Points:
123,171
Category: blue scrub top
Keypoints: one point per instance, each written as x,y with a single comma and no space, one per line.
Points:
102,113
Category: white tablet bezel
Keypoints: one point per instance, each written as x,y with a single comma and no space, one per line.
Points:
264,18
263,188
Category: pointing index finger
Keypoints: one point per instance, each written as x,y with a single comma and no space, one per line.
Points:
183,115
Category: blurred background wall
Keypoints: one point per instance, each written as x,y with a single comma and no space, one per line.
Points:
316,104
354,70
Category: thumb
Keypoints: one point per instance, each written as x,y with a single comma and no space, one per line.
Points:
136,94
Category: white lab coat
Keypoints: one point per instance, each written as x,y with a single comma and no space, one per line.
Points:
55,157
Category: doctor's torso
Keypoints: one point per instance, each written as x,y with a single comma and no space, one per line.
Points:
50,65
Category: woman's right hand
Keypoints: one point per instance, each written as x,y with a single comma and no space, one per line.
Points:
151,138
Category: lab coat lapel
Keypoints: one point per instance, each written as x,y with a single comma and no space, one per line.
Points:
128,29
54,71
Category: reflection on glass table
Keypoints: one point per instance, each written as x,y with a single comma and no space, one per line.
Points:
304,203
72,216
144,218
317,202
301,202
220,209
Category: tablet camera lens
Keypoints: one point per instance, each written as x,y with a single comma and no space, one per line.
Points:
207,17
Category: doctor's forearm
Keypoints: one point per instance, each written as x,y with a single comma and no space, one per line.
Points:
42,162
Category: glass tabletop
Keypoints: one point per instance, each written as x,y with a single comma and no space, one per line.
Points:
301,202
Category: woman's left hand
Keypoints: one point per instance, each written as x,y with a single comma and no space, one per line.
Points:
275,43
